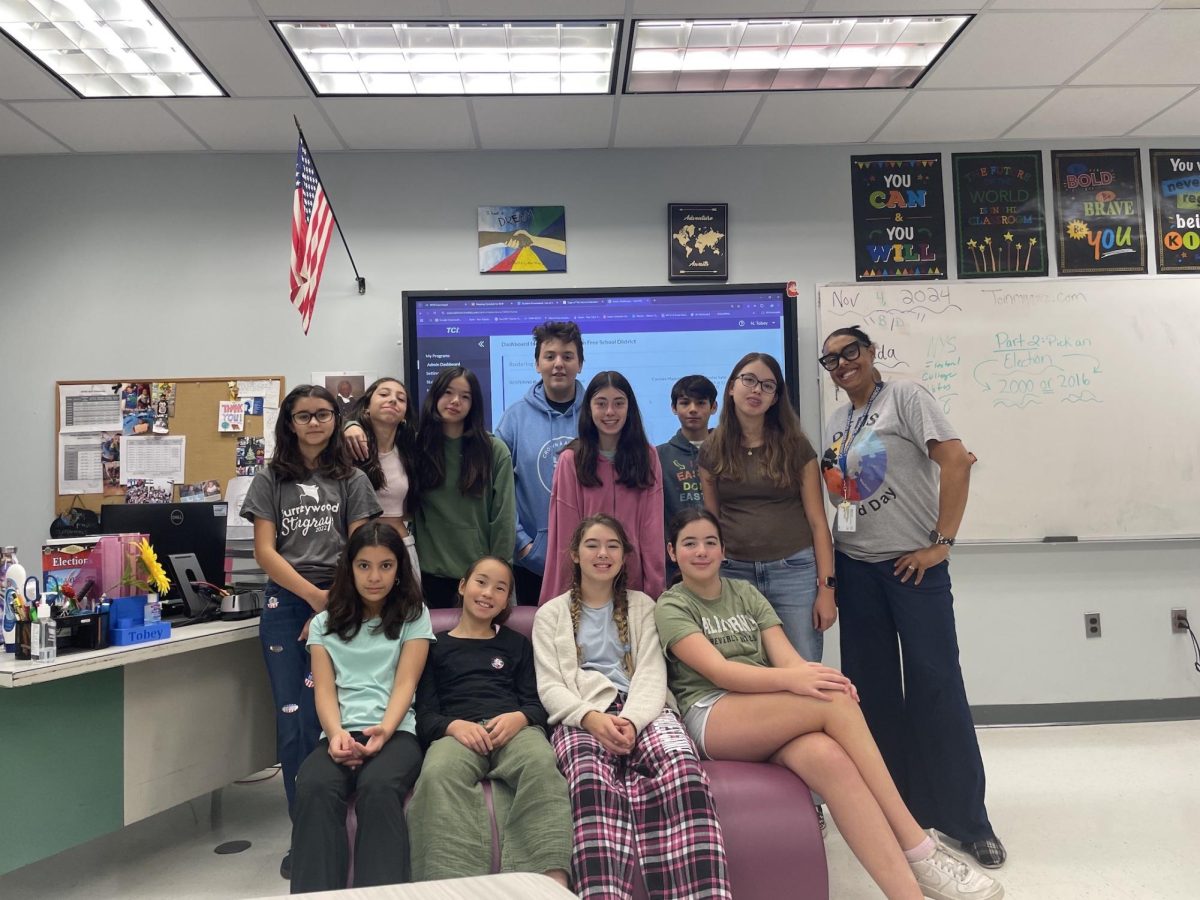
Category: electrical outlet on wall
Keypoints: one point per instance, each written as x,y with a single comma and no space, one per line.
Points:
1179,621
1091,624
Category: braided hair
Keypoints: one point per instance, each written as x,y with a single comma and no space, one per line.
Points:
620,597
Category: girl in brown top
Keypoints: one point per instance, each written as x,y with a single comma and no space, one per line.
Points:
762,481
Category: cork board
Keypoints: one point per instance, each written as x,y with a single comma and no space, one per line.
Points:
210,454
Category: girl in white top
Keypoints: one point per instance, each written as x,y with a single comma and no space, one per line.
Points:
379,432
634,776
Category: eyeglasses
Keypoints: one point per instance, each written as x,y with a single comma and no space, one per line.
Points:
751,382
849,353
321,415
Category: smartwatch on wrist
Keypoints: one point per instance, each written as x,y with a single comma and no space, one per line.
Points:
829,581
936,537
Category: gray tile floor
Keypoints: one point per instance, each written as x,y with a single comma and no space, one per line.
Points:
1088,813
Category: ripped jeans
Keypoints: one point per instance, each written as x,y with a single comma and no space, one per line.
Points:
297,728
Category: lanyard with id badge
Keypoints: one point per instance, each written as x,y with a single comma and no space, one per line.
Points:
847,512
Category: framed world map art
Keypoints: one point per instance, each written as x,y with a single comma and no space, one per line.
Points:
698,241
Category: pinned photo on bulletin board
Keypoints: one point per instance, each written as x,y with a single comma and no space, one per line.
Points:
999,215
1099,225
1175,180
899,217
698,241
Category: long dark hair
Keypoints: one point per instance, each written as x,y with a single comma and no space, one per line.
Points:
475,472
783,455
632,460
406,433
620,597
502,616
403,602
288,463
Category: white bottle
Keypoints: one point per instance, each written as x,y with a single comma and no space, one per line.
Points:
14,579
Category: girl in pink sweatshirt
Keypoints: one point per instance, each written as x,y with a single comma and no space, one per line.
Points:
612,469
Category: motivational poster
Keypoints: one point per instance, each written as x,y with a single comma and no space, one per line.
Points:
1098,212
999,215
899,217
1176,184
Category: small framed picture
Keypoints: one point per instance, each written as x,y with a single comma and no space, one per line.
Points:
698,241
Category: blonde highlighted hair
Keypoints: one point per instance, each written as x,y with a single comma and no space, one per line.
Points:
620,597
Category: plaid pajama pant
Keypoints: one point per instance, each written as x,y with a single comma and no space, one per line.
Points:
652,805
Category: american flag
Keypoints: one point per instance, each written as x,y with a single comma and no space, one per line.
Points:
312,224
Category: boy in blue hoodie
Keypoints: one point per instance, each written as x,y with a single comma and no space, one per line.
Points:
535,429
693,400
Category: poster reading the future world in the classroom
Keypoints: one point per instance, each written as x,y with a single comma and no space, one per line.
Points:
899,217
999,217
1176,184
1098,212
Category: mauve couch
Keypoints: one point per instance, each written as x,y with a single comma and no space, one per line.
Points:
771,834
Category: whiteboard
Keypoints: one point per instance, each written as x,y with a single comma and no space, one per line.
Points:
1080,397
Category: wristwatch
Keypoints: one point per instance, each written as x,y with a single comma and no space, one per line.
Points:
936,537
830,582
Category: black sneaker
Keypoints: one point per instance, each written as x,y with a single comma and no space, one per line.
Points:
285,867
989,852
821,820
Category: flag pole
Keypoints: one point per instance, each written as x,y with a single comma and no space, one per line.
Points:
359,280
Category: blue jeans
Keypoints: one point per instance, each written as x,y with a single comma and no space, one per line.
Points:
297,728
791,587
900,648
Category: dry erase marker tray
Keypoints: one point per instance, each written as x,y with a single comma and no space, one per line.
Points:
127,623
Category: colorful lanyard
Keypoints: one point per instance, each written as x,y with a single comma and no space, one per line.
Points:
844,452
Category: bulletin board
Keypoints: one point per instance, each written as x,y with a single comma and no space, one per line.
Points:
210,454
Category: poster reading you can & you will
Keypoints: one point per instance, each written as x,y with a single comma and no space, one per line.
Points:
899,217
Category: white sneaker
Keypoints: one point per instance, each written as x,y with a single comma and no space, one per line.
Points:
944,876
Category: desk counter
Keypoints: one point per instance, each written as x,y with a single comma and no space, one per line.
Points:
126,732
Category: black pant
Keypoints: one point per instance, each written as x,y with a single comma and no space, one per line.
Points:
529,585
320,847
440,592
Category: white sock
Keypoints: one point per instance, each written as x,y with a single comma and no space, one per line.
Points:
923,850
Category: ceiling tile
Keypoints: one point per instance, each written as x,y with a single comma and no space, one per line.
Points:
539,123
1025,49
1095,112
255,125
23,79
348,10
676,120
1073,4
207,9
822,117
18,136
537,9
1180,119
245,56
111,125
401,123
1162,49
911,7
981,115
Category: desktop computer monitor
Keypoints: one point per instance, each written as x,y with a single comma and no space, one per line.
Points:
175,528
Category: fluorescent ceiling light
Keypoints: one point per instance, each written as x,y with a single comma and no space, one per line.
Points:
468,58
712,55
107,48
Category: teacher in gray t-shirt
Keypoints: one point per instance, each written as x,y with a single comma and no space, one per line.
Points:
898,476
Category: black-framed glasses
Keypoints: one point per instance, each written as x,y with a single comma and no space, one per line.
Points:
321,415
849,353
752,381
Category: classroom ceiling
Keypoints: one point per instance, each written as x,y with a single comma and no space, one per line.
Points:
1022,70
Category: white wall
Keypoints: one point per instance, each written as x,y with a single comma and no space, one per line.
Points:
119,267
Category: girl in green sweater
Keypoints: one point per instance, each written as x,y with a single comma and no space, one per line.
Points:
467,505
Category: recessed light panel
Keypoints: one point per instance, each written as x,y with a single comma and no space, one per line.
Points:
107,48
711,55
438,58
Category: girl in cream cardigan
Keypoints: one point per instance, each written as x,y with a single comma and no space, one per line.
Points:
634,776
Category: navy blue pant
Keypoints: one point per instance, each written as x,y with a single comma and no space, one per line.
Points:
297,728
920,719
